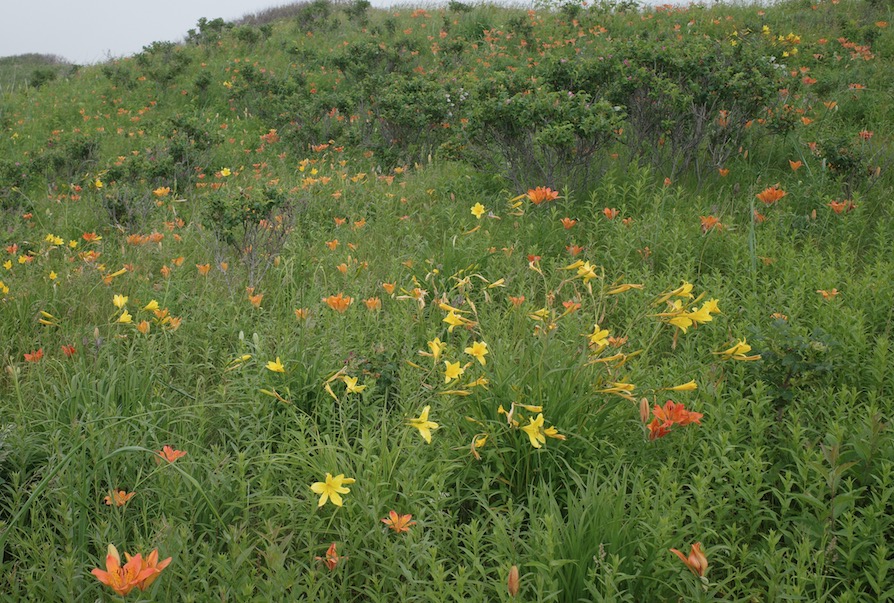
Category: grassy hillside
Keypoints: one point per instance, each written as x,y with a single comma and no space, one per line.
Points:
23,70
571,287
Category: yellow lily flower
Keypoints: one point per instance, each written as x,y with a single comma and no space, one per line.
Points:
424,426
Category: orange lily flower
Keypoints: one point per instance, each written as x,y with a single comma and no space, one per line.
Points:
34,356
170,454
710,223
542,193
696,562
339,302
122,579
771,195
332,557
676,413
118,497
398,523
150,563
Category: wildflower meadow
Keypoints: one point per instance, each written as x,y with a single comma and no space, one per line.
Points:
580,302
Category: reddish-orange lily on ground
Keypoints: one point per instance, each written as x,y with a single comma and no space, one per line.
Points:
332,557
34,356
542,193
770,195
696,562
170,454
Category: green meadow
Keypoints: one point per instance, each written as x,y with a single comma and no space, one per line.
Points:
462,303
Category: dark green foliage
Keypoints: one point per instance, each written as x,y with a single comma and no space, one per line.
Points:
162,62
792,359
42,75
540,136
208,32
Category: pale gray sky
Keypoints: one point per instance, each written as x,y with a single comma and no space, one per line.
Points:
88,31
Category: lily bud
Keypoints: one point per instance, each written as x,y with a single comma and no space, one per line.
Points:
512,584
644,410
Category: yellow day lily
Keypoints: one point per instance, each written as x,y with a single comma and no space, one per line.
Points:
587,272
276,366
537,434
332,489
478,210
452,371
120,301
622,288
448,308
352,387
125,317
436,346
738,352
619,388
703,314
478,442
574,265
479,382
454,320
539,315
424,426
598,339
618,359
686,387
234,364
479,351
152,306
684,290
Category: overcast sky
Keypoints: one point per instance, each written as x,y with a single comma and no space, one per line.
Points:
88,31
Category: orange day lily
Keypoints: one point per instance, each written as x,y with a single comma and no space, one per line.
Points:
170,454
118,497
339,302
696,562
398,523
34,356
770,195
137,572
542,193
332,557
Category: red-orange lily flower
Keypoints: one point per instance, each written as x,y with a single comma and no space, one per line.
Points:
696,562
770,195
542,193
150,563
170,454
118,497
137,572
332,557
676,413
34,356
